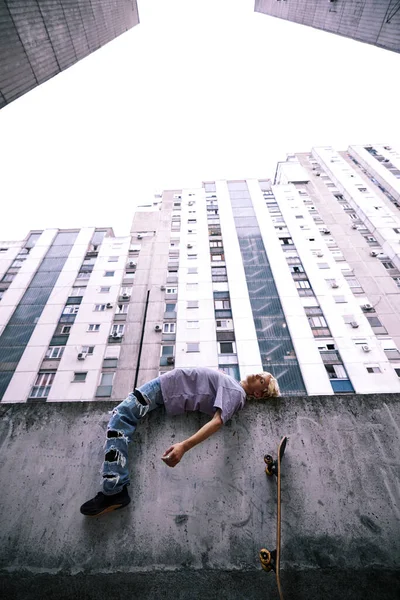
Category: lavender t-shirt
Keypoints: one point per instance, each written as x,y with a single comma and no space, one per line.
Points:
203,390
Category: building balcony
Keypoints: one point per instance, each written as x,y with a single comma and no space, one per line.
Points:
342,386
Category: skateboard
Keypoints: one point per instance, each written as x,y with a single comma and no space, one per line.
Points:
270,560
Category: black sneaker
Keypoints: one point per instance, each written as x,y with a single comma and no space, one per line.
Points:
101,504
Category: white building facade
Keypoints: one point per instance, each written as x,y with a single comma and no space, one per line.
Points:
299,277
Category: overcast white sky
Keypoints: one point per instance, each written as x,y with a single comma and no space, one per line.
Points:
198,91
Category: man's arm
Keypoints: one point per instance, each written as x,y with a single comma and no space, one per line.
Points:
173,455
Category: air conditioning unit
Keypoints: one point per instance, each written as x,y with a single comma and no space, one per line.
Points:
373,253
109,305
317,174
157,328
320,254
139,236
366,348
325,230
125,296
162,288
334,284
132,264
367,306
170,360
191,203
81,355
117,335
354,226
189,246
354,324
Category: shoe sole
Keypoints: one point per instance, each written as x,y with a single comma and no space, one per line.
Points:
108,509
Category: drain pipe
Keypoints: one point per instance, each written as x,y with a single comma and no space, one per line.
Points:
141,340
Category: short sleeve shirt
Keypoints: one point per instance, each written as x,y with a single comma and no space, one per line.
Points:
201,389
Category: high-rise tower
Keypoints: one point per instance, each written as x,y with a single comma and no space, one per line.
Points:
39,39
372,21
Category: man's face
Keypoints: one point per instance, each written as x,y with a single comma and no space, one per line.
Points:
257,384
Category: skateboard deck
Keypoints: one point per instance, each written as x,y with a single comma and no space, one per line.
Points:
271,560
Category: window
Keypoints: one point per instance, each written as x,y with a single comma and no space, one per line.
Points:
167,351
193,347
302,284
70,310
227,347
336,371
83,276
104,290
42,385
392,353
192,304
80,376
65,329
17,263
374,322
216,257
169,307
388,265
171,290
126,291
192,256
106,378
77,291
396,229
322,265
222,304
217,244
224,324
192,231
99,307
113,258
374,369
397,372
317,321
339,299
109,273
190,221
118,329
94,327
169,328
8,278
396,280
191,286
88,349
55,352
122,309
193,324
192,271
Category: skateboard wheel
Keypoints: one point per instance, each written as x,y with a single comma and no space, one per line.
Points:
265,559
269,461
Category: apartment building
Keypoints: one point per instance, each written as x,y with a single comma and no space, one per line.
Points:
41,39
372,21
299,276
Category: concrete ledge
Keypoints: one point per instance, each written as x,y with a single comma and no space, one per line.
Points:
194,532
204,585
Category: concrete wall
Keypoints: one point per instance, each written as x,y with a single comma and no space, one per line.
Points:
195,531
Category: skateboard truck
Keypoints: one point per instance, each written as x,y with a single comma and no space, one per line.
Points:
272,465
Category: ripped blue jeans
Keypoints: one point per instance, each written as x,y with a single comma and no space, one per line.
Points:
120,429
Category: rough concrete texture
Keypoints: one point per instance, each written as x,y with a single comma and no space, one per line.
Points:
194,532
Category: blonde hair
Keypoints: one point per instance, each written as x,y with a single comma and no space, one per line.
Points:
273,387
